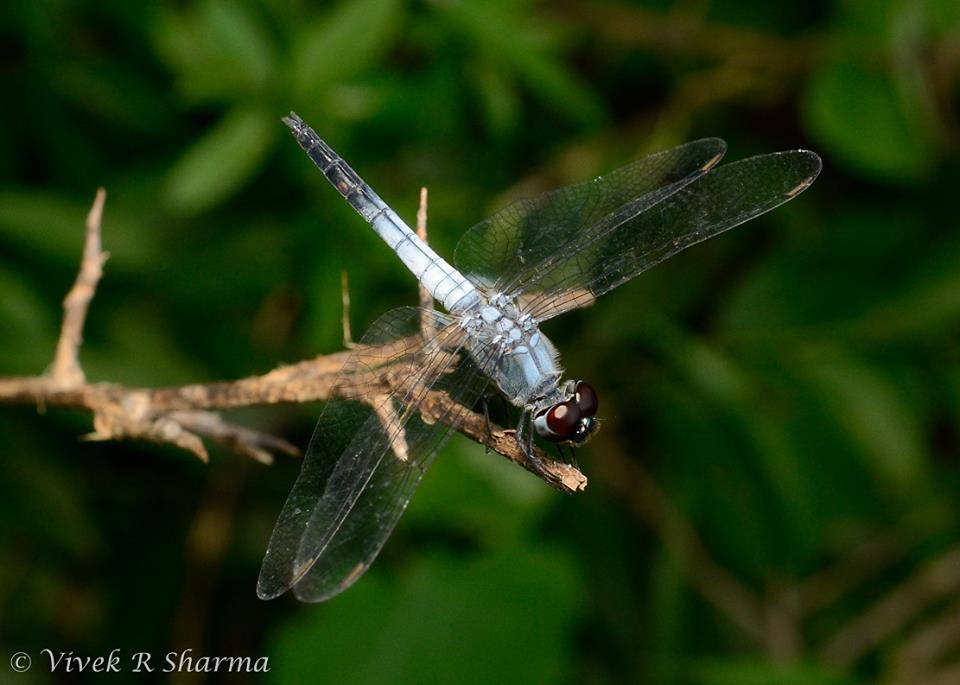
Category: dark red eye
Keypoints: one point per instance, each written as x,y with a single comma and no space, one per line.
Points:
564,419
586,398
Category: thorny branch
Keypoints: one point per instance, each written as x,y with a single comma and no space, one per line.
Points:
186,415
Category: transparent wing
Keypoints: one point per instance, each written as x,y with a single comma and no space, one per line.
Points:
366,458
625,243
529,235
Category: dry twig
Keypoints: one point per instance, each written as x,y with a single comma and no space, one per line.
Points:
185,415
426,299
938,579
66,371
345,311
932,641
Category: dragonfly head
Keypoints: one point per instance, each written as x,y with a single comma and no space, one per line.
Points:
571,421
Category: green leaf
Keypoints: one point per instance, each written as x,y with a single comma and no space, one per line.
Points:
218,50
133,332
481,495
116,93
849,261
221,161
668,616
27,329
508,43
860,118
42,501
926,304
866,21
498,96
342,44
746,672
874,413
503,618
737,404
54,226
943,16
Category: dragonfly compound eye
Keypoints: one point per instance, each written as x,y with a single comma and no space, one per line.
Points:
559,423
586,398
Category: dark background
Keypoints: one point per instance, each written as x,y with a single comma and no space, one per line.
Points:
773,495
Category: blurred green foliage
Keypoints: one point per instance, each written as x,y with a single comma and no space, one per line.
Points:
773,495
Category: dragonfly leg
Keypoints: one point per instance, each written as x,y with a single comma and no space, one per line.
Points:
525,440
560,453
568,455
486,416
521,429
530,444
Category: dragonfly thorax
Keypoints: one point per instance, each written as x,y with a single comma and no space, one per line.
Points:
510,348
498,322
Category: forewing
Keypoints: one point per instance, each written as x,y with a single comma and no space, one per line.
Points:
628,243
366,458
527,236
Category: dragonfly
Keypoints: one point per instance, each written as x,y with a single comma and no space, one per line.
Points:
528,263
